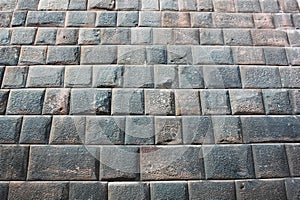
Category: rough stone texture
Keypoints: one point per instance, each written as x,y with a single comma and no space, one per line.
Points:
292,188
67,36
89,36
156,55
248,55
277,102
56,102
212,55
187,102
4,190
180,55
237,37
78,76
190,77
132,55
210,36
168,130
3,100
139,130
129,190
10,128
275,56
9,55
108,76
46,36
88,190
168,190
159,102
269,38
233,20
14,77
106,19
98,55
215,102
33,55
80,19
290,77
45,18
115,36
166,77
292,152
45,76
102,4
67,55
4,36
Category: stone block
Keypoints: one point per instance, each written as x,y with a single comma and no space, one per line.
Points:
275,56
283,20
106,19
101,4
108,76
33,55
209,36
144,80
127,5
190,77
3,100
45,18
159,102
166,77
116,36
141,36
63,55
150,5
77,5
176,19
9,55
212,55
80,19
226,6
262,37
88,190
233,20
215,102
180,54
269,6
5,18
292,152
168,5
46,36
18,19
78,76
27,4
56,102
293,55
187,5
128,190
89,36
132,55
168,130
292,188
4,189
14,77
277,101
45,76
130,19
98,55
187,102
185,36
248,55
10,128
263,20
5,35
139,130
205,5
156,55
169,190
53,5
248,6
237,37
67,36
294,37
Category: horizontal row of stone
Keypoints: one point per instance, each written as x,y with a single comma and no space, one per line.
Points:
149,76
151,55
275,189
147,130
146,36
212,162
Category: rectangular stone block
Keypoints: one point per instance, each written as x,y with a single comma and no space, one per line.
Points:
277,101
14,77
150,5
115,36
63,55
180,54
87,190
98,55
166,77
168,5
275,56
3,100
248,6
293,55
67,36
132,55
141,36
77,5
190,77
63,163
176,19
27,4
292,152
248,55
10,128
106,19
295,100
209,36
5,18
187,5
5,35
269,6
56,102
233,20
294,37
169,190
32,55
53,5
129,19
150,19
45,18
269,38
156,55
205,5
168,130
9,55
108,76
201,20
78,76
187,102
101,4
4,189
80,19
19,18
129,190
127,4
186,36
292,188
45,76
237,37
263,20
144,80
159,102
139,130
212,55
162,36
171,163
89,36
215,102
225,6
46,36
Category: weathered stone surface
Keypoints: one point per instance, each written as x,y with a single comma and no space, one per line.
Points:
215,102
27,4
248,55
187,102
64,55
124,165
176,19
233,20
25,102
190,77
115,36
150,19
45,76
9,55
168,130
13,162
166,77
295,100
275,56
45,18
180,54
46,36
87,190
144,80
18,18
209,36
184,36
171,163
101,4
77,5
269,6
63,163
248,6
4,190
187,5
130,19
32,55
277,101
3,100
128,5
283,20
159,102
89,36
212,55
224,6
10,128
156,55
67,36
105,130
35,130
14,77
169,190
56,102
263,20
131,55
67,130
53,5
4,36
150,5
108,76
292,151
292,188
269,38
294,37
106,19
98,55
168,5
144,36
5,19
197,130
139,130
162,36
80,19
228,162
78,76
128,190
237,37
293,55
204,5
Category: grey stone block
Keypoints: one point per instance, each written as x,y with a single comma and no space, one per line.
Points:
9,55
3,100
180,54
228,162
270,161
224,6
260,77
45,76
269,6
78,76
45,18
168,5
131,55
197,130
67,130
184,36
14,77
128,190
130,19
33,55
44,190
204,5
5,19
211,36
277,101
90,101
106,19
166,77
159,102
35,130
13,162
67,36
23,35
162,36
10,128
293,55
187,5
168,130
127,102
222,77
263,20
5,36
248,6
108,76
128,5
237,37
292,188
27,4
4,189
8,5
116,36
145,78
246,101
139,130
294,37
227,130
248,55
105,130
261,189
232,20
150,5
77,5
215,102
265,37
190,77
176,19
56,102
89,36
18,19
171,163
63,55
88,190
289,6
142,36
53,5
156,55
63,163
224,190
296,20
46,36
80,19
124,165
169,190
275,56
283,20
101,4
150,19
292,152
212,55
26,102
187,102
295,100
98,55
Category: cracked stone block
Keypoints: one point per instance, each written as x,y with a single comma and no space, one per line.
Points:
98,55
187,102
46,36
248,6
248,55
5,18
45,76
212,190
139,130
131,55
80,19
67,130
129,190
101,4
130,19
215,102
124,165
63,163
168,5
9,55
270,161
171,163
159,102
212,55
144,36
14,77
169,190
292,188
228,162
197,130
78,76
127,5
166,77
106,19
45,18
3,100
105,130
53,5
277,101
260,189
191,77
4,36
233,20
56,102
292,152
263,37
144,80
90,101
23,35
246,101
176,19
156,55
180,54
127,102
211,36
44,190
18,19
10,128
13,162
168,130
27,4
67,36
150,19
237,37
260,77
33,55
25,102
63,55
87,190
89,36
108,76
35,130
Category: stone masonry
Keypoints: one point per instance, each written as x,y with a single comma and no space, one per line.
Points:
149,99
